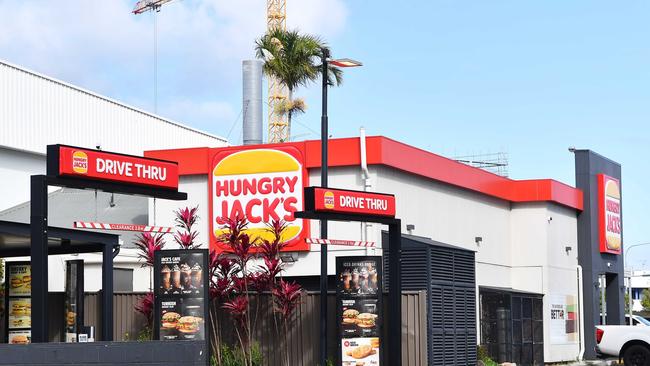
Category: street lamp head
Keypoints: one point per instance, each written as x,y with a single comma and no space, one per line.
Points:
345,62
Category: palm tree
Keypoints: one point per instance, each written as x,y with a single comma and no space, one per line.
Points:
294,60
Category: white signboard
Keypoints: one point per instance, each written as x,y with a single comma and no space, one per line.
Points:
563,319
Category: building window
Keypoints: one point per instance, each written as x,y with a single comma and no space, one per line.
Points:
122,279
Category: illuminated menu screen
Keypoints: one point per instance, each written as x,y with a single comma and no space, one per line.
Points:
18,303
181,294
359,310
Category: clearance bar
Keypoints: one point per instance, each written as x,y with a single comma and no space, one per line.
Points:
341,201
350,243
122,227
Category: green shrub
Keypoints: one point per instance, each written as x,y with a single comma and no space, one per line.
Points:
482,355
234,356
145,334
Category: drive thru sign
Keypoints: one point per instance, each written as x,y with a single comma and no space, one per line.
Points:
349,202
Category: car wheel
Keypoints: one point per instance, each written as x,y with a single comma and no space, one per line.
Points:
637,355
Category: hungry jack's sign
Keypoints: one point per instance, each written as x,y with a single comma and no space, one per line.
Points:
100,165
262,185
609,214
349,202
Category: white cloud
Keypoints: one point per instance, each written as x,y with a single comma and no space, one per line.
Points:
102,46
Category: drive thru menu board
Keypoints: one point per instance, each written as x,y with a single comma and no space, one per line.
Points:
181,294
18,302
359,310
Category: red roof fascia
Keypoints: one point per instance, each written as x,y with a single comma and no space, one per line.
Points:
190,161
384,151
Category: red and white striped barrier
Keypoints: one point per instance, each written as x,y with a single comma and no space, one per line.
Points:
122,227
351,243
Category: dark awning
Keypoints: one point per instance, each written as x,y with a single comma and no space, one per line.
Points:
15,240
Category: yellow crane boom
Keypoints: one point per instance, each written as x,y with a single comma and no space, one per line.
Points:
279,129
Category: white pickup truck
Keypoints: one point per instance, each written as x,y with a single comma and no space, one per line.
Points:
629,343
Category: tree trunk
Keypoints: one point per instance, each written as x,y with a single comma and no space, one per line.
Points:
289,115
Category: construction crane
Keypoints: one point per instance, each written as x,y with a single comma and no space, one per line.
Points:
279,129
140,7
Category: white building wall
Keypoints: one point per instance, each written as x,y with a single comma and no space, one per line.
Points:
541,264
15,169
37,110
561,275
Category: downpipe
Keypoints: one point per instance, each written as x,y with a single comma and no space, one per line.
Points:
581,315
365,176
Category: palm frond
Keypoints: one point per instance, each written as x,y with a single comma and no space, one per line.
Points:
290,107
289,57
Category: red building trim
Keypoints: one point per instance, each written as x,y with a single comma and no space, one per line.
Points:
384,151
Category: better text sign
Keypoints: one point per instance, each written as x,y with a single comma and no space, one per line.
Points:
100,165
350,202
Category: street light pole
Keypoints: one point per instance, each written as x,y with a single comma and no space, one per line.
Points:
323,223
324,137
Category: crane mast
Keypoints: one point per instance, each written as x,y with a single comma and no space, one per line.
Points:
279,129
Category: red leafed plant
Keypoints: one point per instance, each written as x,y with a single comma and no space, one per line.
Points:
249,265
286,297
186,240
238,309
147,244
185,219
145,306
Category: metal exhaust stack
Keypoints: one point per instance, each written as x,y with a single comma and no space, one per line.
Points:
252,101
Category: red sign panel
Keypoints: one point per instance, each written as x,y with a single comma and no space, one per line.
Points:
609,214
353,202
262,185
113,167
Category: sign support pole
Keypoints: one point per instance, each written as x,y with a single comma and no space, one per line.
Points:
39,258
107,293
395,293
324,136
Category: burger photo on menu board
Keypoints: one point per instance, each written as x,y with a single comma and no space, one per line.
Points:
188,325
20,339
350,316
366,320
169,322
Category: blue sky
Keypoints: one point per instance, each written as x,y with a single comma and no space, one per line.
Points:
455,77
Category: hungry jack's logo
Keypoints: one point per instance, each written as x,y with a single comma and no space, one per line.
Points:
262,185
610,214
80,162
328,200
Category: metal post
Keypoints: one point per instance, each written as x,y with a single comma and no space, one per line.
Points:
107,293
629,296
323,223
395,293
39,256
603,301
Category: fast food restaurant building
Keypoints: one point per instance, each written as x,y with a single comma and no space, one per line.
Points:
524,232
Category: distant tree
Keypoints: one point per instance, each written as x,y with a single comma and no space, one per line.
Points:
645,299
627,303
294,60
